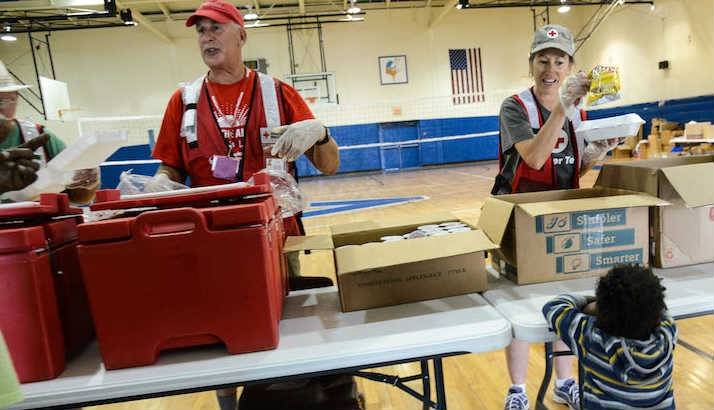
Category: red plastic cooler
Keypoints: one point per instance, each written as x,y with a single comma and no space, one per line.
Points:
44,314
199,268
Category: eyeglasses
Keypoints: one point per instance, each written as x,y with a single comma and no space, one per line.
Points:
8,100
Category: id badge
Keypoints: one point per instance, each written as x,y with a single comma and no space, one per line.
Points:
276,164
267,138
224,167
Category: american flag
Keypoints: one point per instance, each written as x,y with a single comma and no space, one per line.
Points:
466,75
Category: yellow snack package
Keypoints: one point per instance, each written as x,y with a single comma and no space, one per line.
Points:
604,85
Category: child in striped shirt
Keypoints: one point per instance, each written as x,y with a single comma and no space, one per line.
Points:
624,339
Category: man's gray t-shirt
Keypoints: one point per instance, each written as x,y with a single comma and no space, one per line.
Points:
515,127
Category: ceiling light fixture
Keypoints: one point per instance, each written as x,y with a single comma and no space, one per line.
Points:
256,24
564,8
250,14
353,8
8,37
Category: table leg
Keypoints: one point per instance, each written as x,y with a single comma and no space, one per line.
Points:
439,384
546,376
426,386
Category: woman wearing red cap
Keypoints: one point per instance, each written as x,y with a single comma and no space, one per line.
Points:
540,151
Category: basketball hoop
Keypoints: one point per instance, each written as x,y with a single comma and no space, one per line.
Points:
68,114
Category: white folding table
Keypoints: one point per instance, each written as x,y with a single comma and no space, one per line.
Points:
315,339
690,293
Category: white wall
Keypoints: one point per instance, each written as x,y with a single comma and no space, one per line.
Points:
129,71
636,39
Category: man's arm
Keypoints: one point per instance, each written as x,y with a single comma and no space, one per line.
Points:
174,174
325,157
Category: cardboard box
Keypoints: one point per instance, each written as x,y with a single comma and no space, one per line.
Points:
557,235
695,130
371,273
708,132
621,153
683,233
661,124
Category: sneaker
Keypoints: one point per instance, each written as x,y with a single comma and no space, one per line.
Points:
516,399
568,393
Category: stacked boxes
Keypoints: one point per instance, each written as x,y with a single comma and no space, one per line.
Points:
683,233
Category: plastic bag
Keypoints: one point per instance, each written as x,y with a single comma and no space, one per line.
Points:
132,184
289,197
605,85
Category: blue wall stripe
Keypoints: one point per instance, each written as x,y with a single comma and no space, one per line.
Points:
438,152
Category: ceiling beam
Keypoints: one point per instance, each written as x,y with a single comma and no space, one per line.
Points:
256,5
301,6
428,4
448,6
146,23
164,10
388,3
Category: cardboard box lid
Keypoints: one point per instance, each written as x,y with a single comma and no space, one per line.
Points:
309,242
380,255
497,211
589,204
694,183
494,218
694,175
368,225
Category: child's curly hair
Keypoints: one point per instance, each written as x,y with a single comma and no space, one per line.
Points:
630,302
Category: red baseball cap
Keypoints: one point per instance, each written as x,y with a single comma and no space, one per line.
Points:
217,10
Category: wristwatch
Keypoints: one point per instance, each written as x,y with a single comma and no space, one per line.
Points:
326,139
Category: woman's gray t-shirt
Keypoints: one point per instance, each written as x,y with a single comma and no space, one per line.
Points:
515,127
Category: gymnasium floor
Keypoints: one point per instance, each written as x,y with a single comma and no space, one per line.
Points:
473,382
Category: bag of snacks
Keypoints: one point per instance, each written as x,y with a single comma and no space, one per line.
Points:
604,85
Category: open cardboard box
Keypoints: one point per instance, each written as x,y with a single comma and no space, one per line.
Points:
683,233
557,235
371,273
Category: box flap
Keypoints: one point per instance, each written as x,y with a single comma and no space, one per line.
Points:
383,254
494,218
694,183
589,204
359,226
624,176
306,243
643,175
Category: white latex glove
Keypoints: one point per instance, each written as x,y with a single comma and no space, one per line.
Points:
159,183
297,138
571,94
596,150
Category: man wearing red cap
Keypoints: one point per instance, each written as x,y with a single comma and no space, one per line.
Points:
233,122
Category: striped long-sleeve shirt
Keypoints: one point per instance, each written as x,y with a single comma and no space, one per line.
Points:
620,373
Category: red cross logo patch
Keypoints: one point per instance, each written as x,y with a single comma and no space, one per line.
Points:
561,143
552,33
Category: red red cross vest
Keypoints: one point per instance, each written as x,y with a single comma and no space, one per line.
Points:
202,138
545,177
